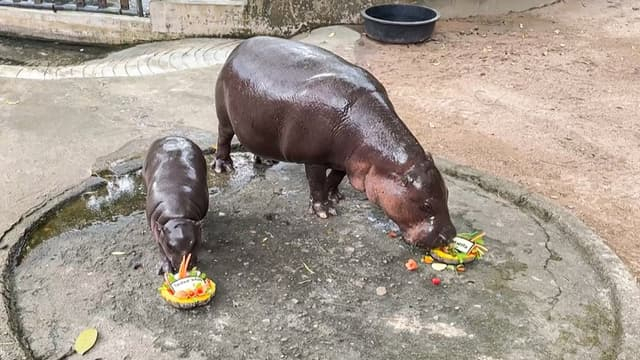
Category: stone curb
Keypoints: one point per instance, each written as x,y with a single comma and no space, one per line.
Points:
171,56
149,59
625,292
13,344
142,60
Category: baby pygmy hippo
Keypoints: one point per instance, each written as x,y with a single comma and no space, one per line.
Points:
175,176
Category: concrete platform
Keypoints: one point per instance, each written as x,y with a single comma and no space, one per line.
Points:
294,286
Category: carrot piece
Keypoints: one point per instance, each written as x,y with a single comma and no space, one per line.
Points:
411,265
183,267
186,265
180,269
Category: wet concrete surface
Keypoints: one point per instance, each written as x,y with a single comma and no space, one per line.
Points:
294,286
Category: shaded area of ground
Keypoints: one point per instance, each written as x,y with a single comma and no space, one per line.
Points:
291,285
28,52
547,99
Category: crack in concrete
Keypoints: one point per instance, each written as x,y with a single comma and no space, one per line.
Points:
553,300
521,201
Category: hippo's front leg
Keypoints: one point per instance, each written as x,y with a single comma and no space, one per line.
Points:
333,182
164,266
317,177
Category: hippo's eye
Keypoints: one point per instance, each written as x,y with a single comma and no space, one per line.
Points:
427,207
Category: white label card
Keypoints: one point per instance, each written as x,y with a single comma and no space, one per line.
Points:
462,245
188,283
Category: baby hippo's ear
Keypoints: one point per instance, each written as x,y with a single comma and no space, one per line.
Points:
160,228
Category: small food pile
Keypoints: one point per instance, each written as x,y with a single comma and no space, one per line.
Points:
465,248
187,289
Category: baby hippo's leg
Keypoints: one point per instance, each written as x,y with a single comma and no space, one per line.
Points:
317,177
266,162
164,266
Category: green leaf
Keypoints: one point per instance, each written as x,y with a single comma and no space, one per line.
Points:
85,341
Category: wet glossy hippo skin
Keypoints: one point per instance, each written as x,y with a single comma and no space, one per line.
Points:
175,176
294,102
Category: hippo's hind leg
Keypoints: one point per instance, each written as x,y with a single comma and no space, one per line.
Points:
317,177
223,162
333,182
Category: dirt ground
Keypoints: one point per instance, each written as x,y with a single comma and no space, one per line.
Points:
548,99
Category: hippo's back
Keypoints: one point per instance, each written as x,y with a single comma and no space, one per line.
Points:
175,176
284,68
296,102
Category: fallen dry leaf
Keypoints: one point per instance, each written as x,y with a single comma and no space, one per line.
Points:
85,341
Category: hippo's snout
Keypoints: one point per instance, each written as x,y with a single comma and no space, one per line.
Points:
429,237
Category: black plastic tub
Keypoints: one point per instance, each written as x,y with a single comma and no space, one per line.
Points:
399,23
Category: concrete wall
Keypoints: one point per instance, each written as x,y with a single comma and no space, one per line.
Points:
201,18
232,18
285,17
75,26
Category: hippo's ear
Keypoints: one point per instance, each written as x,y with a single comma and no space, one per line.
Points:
411,178
405,179
159,228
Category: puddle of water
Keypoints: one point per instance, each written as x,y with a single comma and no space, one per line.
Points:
121,196
31,52
125,195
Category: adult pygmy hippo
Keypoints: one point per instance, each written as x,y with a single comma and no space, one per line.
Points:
175,175
289,101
